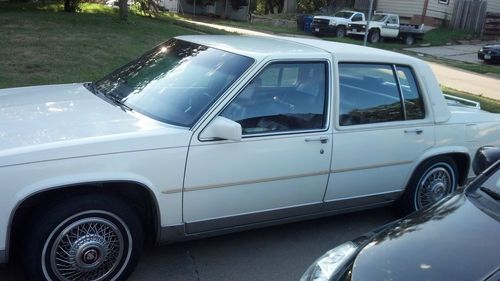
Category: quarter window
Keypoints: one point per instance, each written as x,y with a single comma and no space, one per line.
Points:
413,102
284,97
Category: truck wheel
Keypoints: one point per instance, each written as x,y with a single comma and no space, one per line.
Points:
374,36
340,33
85,238
409,39
431,181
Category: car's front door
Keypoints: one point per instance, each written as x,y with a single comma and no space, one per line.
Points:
383,128
280,168
391,27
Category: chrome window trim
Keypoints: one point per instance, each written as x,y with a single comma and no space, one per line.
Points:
328,96
425,121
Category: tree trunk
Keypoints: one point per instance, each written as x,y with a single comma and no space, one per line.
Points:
122,4
67,6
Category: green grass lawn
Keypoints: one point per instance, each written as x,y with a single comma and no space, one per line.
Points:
487,104
43,45
48,46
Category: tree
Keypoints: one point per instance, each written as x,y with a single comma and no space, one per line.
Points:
71,5
123,6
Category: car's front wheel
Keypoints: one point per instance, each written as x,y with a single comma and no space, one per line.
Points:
374,36
431,182
340,32
87,238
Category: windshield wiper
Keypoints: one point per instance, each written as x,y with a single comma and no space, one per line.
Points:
92,87
119,102
492,193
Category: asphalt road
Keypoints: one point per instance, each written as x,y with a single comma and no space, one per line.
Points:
279,253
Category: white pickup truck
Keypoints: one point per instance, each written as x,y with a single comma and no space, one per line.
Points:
205,135
336,24
387,26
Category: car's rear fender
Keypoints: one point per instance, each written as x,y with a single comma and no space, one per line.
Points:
459,154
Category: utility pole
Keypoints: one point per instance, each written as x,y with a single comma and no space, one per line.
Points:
368,22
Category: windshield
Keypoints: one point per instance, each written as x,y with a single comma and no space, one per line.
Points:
175,82
379,17
492,184
344,15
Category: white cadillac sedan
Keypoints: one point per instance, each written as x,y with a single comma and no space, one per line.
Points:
205,135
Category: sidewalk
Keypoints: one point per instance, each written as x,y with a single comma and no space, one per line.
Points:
467,81
450,77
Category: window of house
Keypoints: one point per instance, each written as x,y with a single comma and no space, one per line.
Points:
283,97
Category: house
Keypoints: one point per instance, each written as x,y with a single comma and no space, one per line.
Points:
217,8
170,5
430,12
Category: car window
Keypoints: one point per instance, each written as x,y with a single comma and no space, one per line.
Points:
283,97
392,20
412,99
368,94
493,182
344,15
175,82
357,17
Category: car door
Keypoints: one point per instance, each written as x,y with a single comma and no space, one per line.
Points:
391,27
280,168
383,127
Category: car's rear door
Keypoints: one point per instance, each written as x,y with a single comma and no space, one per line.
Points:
383,127
281,166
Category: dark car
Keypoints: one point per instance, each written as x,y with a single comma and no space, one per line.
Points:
489,53
457,238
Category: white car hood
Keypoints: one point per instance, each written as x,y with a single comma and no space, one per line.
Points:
52,120
330,18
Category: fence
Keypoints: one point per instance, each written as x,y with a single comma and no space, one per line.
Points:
364,5
491,26
469,15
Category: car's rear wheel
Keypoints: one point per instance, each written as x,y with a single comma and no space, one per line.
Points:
409,39
87,238
431,182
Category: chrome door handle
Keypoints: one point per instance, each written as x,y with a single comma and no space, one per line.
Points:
320,139
415,131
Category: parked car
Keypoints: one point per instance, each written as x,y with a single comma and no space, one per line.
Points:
454,239
489,53
205,135
387,26
336,24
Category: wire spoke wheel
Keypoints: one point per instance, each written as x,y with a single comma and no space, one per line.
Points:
435,184
88,249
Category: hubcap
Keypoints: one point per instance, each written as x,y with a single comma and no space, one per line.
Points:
435,185
89,249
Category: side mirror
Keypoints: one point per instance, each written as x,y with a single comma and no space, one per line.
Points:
485,157
222,128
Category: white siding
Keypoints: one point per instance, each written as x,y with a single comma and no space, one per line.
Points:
493,6
404,8
440,11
